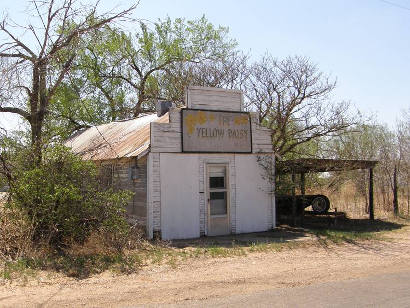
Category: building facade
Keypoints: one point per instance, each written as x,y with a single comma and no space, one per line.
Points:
195,171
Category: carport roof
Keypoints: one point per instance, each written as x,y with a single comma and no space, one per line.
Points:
306,165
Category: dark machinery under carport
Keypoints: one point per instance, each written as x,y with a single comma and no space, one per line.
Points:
295,204
320,203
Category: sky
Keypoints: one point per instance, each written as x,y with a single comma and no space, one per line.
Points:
365,44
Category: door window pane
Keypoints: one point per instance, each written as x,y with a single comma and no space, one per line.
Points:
217,182
218,203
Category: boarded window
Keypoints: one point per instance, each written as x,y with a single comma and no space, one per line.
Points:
134,173
105,175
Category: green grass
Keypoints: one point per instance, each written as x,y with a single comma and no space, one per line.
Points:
222,252
21,268
339,237
73,266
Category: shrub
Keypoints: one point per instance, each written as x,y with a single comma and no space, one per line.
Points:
15,234
64,201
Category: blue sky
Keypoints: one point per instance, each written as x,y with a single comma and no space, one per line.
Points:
365,44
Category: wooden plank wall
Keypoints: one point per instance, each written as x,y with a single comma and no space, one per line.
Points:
155,191
261,136
166,137
214,99
121,180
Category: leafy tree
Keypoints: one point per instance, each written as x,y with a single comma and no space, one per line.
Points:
32,72
95,98
127,70
118,75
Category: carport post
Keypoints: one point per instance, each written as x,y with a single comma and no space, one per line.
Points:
302,192
302,183
371,206
293,198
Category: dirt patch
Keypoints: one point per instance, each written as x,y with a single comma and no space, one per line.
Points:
281,234
200,278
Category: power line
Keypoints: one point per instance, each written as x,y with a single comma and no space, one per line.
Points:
396,5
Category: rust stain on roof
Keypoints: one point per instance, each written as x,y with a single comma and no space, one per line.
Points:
116,139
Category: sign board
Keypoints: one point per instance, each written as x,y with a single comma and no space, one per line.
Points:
216,131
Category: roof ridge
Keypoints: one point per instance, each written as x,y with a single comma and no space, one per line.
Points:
139,117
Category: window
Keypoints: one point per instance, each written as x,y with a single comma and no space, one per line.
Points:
217,182
218,201
134,173
105,175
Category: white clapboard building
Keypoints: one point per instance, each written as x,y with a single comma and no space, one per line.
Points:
201,170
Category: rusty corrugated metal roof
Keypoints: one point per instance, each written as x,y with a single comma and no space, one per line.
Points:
116,139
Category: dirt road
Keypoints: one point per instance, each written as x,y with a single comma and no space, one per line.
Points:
212,278
375,290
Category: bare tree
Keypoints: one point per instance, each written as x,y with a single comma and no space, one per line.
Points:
403,141
33,71
292,97
229,72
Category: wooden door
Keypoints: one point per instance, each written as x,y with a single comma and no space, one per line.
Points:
218,200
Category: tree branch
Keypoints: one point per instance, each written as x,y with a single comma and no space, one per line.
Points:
16,110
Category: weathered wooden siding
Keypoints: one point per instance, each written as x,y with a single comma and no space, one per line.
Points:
166,137
121,179
155,191
154,195
214,99
261,136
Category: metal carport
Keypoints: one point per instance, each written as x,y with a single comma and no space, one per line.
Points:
310,165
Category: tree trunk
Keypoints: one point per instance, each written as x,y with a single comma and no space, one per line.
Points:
137,110
395,200
141,97
36,139
38,108
408,192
